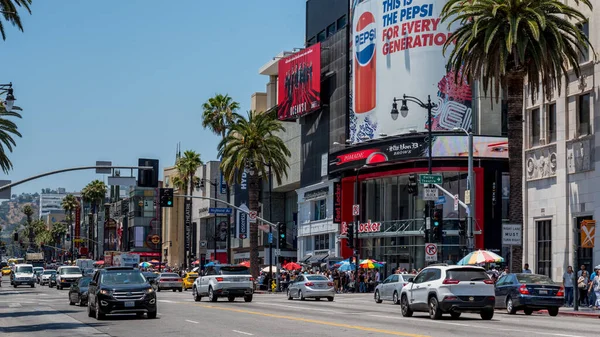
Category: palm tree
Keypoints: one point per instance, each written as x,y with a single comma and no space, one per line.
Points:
219,113
70,204
251,143
28,211
57,233
186,168
94,193
8,8
504,43
7,129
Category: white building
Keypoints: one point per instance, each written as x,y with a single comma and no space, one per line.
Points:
52,201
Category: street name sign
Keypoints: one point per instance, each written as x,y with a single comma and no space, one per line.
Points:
430,178
219,210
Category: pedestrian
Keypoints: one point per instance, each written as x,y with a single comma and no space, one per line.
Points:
568,285
583,286
581,270
595,287
592,294
526,269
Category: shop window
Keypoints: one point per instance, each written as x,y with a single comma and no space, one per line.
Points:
534,128
341,22
551,111
320,209
583,115
321,36
544,247
584,54
331,29
322,242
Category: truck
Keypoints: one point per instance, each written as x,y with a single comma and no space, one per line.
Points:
35,259
126,260
84,264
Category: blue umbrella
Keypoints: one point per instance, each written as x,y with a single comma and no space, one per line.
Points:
210,264
347,267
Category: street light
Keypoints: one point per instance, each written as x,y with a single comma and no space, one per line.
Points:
470,229
214,185
9,103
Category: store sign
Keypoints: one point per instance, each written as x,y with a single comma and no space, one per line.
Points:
369,227
337,202
321,192
187,216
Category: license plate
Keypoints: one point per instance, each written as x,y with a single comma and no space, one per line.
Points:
543,292
129,304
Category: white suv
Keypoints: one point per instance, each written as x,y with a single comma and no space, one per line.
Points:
440,289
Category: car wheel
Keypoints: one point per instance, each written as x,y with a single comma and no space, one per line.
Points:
33,285
395,298
317,298
377,297
487,314
185,288
89,310
330,299
528,311
174,290
434,308
70,301
248,298
289,295
231,298
58,287
211,295
510,308
405,307
99,315
301,295
180,289
553,311
455,314
152,314
197,296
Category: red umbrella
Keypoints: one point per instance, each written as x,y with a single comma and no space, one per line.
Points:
99,262
245,264
196,262
154,261
292,266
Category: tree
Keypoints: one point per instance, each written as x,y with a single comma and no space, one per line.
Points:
219,113
69,204
252,144
28,211
94,193
9,11
8,129
504,43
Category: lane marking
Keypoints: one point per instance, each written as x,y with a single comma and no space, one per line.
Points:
298,307
187,320
14,305
243,333
166,301
314,321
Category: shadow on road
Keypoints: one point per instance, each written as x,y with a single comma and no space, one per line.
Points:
6,293
47,326
34,313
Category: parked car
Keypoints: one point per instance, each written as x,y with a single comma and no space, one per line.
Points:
67,275
188,280
391,288
22,275
529,292
45,277
166,281
120,290
224,280
311,286
440,289
78,293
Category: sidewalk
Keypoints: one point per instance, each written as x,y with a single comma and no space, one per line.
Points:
583,312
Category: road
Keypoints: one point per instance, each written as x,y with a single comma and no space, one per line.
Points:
45,312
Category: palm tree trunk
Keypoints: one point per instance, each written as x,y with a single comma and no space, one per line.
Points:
253,191
515,160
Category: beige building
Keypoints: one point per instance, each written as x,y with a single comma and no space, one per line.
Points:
173,249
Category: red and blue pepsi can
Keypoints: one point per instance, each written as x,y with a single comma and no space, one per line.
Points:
365,70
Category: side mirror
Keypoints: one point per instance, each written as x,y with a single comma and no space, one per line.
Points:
411,279
93,283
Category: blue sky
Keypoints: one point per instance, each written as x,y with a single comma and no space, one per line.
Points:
119,80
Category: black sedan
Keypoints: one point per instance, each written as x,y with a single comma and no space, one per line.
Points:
529,292
52,281
78,293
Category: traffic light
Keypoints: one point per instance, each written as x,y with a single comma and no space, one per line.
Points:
413,185
282,234
165,196
437,224
462,230
350,235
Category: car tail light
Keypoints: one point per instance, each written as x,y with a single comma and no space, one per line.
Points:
330,284
251,279
450,298
561,292
488,281
404,284
219,279
523,289
309,284
492,298
450,281
179,280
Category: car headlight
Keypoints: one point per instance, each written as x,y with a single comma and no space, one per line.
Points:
149,290
105,292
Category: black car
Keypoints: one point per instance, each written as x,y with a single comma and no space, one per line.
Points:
120,290
78,293
529,292
52,281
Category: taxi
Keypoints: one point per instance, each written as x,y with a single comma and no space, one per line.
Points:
188,280
6,271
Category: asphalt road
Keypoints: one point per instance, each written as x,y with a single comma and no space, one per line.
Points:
46,312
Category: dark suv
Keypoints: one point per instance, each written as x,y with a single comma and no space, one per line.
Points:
120,290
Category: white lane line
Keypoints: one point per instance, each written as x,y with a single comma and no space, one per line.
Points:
297,307
166,301
14,305
243,333
187,320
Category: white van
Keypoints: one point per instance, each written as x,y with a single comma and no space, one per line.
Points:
22,275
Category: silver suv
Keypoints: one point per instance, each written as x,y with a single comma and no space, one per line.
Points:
440,289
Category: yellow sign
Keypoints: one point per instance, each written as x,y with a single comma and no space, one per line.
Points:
78,240
588,232
155,239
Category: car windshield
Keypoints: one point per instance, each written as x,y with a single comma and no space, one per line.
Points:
49,272
38,269
316,278
85,281
534,279
169,275
123,277
70,270
235,270
24,269
467,274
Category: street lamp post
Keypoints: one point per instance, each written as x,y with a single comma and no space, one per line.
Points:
470,229
271,229
356,227
10,97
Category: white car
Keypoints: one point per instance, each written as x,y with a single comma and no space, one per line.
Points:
229,281
45,278
67,275
391,288
23,275
440,289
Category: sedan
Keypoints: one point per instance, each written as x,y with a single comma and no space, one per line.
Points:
391,288
167,281
529,292
45,278
78,293
311,286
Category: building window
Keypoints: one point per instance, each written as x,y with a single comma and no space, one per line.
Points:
534,130
551,110
322,242
544,247
331,29
341,22
583,115
321,36
584,55
320,209
312,41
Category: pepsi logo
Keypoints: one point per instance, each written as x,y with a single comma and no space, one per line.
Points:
376,157
364,38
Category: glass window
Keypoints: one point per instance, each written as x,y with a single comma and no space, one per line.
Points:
551,110
322,242
341,22
467,274
583,115
534,129
320,209
584,55
331,29
312,41
321,36
535,279
544,247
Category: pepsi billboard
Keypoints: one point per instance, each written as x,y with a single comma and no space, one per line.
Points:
397,49
299,83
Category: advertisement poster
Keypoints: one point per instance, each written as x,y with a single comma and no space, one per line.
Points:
397,49
299,85
337,202
187,218
242,223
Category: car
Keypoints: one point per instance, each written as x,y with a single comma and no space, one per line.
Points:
529,292
151,278
120,290
37,271
88,272
223,280
391,288
311,286
78,293
67,275
52,280
45,277
440,289
188,280
22,275
166,281
6,271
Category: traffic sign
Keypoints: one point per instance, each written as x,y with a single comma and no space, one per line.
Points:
430,178
430,194
355,210
270,237
277,251
252,216
468,197
218,210
456,202
441,200
431,252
